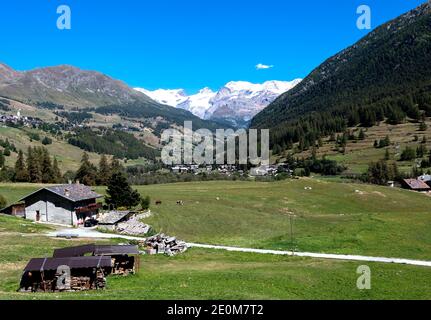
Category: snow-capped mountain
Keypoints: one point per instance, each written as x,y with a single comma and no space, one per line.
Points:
198,103
172,97
237,102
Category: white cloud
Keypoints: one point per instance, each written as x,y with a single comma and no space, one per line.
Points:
261,66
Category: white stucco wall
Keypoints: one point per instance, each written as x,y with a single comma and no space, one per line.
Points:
51,207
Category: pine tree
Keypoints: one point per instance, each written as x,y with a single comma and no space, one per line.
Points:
116,166
46,141
47,171
33,166
56,173
382,172
120,193
104,172
87,172
21,174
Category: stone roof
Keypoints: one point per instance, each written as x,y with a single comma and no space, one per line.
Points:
416,184
112,217
72,192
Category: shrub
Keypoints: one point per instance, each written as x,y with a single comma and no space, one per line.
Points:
145,203
408,154
46,141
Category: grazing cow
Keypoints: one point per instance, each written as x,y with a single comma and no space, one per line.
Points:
158,202
180,203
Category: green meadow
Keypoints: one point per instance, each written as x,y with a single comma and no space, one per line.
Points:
212,274
328,216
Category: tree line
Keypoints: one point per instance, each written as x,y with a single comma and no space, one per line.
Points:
119,144
36,167
92,175
308,129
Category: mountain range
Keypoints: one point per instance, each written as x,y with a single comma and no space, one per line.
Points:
66,85
235,103
70,88
386,76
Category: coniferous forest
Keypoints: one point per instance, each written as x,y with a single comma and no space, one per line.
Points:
383,77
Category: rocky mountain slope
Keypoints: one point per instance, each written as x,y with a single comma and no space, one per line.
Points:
66,85
69,87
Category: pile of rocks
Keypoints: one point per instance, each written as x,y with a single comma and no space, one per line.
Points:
134,226
164,244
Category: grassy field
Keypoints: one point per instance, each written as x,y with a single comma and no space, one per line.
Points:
212,274
332,217
68,156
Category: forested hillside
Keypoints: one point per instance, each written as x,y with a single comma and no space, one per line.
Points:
386,76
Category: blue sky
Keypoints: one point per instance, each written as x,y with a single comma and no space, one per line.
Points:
186,44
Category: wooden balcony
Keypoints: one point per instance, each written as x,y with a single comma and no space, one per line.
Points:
89,209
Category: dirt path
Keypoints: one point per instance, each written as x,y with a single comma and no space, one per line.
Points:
89,233
317,255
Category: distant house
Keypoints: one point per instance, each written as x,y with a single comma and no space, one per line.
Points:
180,169
426,178
415,185
264,170
69,204
16,209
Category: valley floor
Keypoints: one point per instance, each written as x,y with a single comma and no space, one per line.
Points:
330,217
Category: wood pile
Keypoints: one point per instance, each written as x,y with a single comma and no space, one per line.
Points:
123,268
80,283
163,244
